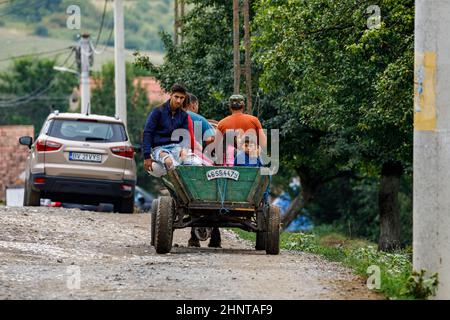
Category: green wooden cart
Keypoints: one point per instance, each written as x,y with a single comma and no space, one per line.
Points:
215,197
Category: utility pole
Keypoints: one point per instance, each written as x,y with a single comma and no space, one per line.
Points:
119,65
85,54
236,51
248,57
431,203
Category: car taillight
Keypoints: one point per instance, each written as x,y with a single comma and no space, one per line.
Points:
123,151
45,146
126,187
39,180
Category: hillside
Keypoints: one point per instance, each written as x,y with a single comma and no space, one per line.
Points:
48,18
18,42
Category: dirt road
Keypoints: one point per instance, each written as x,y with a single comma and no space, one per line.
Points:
50,253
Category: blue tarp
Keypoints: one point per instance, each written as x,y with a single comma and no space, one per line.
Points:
301,223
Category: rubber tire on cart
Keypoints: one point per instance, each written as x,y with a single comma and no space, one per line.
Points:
31,198
273,231
153,220
125,205
164,225
260,235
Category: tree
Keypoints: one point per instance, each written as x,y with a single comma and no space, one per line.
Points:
349,83
204,61
30,89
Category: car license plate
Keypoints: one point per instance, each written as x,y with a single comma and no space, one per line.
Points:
87,157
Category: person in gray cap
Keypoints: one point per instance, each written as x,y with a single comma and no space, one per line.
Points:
241,124
239,121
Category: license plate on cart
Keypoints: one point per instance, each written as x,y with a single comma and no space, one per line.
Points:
86,157
222,173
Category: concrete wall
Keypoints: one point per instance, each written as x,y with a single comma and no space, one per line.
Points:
12,156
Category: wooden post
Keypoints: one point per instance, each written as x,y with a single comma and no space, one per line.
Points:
182,7
236,51
175,23
248,57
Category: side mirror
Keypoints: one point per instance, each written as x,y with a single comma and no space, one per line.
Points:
26,141
137,148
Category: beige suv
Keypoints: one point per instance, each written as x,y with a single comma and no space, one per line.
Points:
78,158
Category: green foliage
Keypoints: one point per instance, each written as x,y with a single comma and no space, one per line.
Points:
204,62
359,255
421,287
31,89
343,99
348,84
351,206
41,30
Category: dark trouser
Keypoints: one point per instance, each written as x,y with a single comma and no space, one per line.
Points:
215,236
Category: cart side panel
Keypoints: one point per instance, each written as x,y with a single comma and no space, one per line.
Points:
200,189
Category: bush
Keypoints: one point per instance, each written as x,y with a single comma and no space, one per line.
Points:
41,31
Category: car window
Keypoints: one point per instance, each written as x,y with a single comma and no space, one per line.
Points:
45,127
79,130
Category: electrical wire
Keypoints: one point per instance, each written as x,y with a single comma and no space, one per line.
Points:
29,98
101,24
72,51
35,54
105,47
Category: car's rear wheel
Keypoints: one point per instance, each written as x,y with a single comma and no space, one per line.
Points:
125,205
31,198
164,225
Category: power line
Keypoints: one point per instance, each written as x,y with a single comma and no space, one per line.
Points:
36,91
72,51
35,54
107,41
29,98
101,23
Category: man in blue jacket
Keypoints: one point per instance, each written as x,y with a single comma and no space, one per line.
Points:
161,123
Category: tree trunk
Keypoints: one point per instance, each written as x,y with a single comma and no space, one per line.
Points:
248,59
390,229
309,185
236,51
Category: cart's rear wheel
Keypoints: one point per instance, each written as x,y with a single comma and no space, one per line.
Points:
260,235
273,231
153,211
164,225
